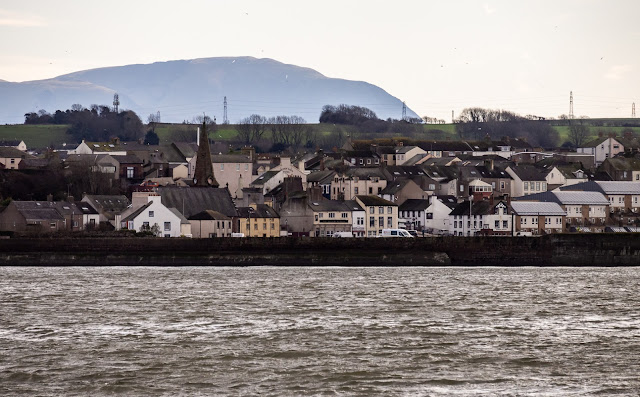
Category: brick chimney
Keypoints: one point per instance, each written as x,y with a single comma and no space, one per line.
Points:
315,194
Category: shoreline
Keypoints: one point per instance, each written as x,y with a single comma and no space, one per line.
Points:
551,250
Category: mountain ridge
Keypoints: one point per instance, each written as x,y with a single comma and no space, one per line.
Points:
182,89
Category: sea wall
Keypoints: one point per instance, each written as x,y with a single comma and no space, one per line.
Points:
550,250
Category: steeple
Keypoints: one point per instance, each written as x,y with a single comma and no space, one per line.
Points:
204,169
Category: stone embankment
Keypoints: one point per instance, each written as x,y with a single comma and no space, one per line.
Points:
551,250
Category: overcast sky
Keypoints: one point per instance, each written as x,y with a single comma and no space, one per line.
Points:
438,56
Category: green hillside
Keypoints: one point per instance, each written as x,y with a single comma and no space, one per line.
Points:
36,136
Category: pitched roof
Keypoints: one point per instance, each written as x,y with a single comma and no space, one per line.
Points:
230,158
477,208
9,152
108,203
396,186
264,178
190,201
137,212
261,211
567,197
414,205
209,215
537,208
619,187
528,172
375,201
321,176
330,205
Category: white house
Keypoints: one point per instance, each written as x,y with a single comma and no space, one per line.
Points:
154,213
602,148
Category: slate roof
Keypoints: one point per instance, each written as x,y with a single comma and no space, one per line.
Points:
230,158
353,205
537,208
137,212
321,177
38,210
11,152
414,205
127,159
261,211
624,164
477,208
109,203
528,172
197,199
396,186
264,178
375,201
364,172
404,170
209,215
330,205
449,201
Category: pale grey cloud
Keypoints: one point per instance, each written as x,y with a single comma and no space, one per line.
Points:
617,72
14,19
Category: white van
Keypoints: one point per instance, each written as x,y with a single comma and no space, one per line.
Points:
342,234
395,233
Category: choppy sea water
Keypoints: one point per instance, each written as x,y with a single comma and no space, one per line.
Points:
319,331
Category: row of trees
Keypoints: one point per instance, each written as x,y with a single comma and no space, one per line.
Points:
478,123
98,123
285,131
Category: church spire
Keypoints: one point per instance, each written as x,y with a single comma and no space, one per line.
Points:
204,168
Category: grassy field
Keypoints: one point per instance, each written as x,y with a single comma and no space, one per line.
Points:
36,136
41,136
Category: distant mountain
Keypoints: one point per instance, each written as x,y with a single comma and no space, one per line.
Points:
180,90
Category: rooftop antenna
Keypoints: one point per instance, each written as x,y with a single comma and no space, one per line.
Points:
571,105
225,120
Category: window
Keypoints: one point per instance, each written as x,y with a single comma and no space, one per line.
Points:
380,210
505,224
381,221
368,161
372,210
273,226
237,167
389,222
372,221
461,188
332,215
321,215
221,167
526,186
151,213
264,226
370,190
497,225
246,167
13,161
53,225
129,172
167,226
344,215
255,226
360,221
537,186
379,190
355,190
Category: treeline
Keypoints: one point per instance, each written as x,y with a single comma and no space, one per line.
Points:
480,123
98,123
366,121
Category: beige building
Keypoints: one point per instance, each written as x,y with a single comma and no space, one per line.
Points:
357,181
258,220
380,214
210,224
329,217
538,217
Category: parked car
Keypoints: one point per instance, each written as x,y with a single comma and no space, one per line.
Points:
342,234
395,233
414,233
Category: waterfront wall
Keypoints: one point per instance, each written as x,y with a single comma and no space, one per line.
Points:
550,250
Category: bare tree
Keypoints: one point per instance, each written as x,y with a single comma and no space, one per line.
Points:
578,134
252,128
